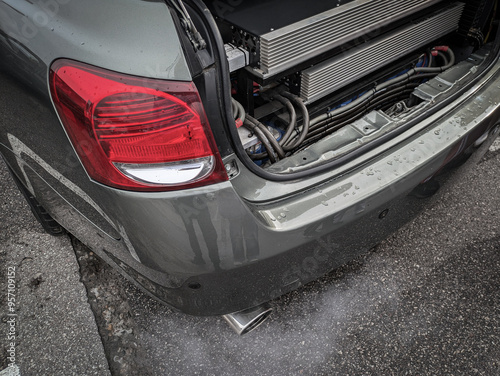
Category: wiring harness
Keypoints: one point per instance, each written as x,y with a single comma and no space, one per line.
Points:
391,96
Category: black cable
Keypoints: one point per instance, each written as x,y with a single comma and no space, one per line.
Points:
270,137
330,127
260,135
305,119
293,118
443,56
359,105
358,102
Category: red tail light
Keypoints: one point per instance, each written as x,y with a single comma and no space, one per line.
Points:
135,133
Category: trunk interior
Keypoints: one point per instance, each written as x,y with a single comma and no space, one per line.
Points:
313,81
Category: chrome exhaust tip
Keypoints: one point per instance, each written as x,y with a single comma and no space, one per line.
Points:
245,321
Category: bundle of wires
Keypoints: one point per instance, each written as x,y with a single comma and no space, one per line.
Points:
383,95
386,93
274,149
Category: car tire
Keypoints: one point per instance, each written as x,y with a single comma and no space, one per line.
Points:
48,223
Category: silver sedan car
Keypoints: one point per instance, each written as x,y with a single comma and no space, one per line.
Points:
222,153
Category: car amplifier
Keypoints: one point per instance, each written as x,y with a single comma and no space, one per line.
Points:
281,34
329,76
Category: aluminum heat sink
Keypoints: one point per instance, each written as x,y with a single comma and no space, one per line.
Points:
327,77
295,43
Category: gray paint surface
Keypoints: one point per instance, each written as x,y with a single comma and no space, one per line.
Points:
131,36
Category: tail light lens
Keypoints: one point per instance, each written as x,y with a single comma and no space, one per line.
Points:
135,133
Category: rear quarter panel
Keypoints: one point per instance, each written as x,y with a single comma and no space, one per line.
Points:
129,36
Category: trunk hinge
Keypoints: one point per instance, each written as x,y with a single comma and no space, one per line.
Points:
187,23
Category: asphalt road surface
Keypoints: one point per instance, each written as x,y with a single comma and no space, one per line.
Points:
424,302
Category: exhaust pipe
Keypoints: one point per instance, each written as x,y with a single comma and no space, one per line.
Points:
247,320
